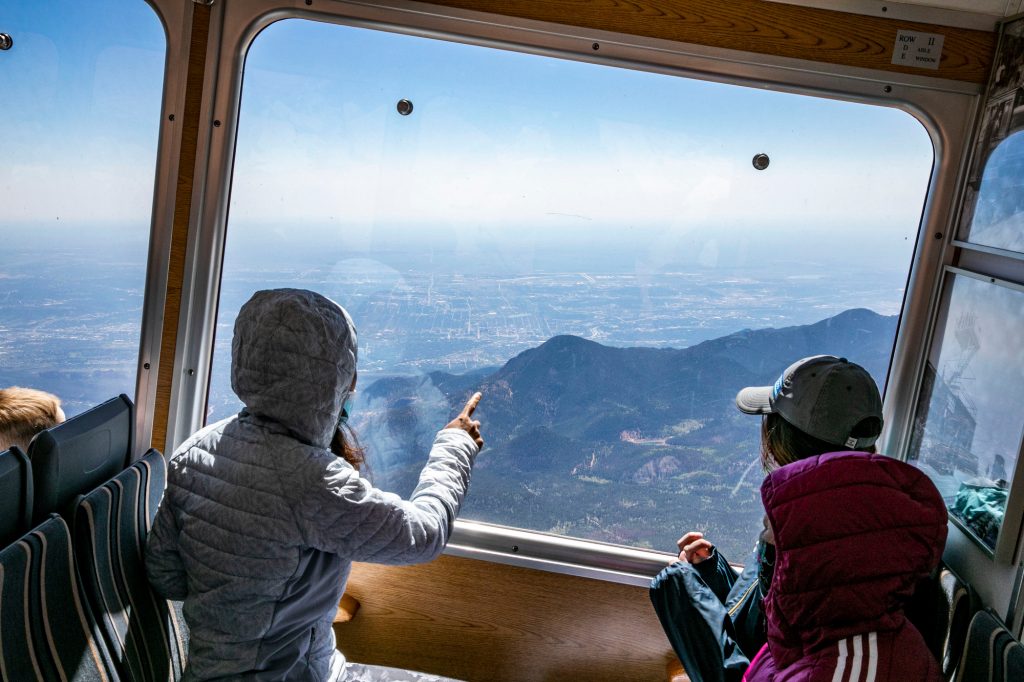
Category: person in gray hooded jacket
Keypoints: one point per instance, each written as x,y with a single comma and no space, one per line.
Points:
261,522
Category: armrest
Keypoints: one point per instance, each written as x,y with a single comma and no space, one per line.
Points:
347,608
675,672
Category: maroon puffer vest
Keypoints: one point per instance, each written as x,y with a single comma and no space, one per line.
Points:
854,534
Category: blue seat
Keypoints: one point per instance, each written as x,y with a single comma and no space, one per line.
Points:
941,609
48,630
960,604
15,495
991,654
75,457
144,636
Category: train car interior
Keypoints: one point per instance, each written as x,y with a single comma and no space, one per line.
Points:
607,216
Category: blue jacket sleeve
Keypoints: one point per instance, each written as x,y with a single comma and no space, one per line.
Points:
697,623
718,574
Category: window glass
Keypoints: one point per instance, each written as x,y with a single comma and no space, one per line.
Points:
968,424
992,208
78,128
590,246
998,218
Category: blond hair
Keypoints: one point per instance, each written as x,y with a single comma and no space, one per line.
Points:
24,412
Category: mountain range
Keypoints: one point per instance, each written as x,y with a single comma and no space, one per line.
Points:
625,445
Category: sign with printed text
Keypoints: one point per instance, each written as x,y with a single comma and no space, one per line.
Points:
913,48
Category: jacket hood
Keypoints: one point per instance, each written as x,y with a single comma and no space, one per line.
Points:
293,357
854,534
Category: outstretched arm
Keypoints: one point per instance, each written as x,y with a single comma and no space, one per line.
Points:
344,514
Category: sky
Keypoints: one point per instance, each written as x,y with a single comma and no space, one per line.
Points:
497,140
506,140
998,218
79,124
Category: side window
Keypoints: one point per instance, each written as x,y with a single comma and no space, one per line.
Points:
967,430
998,218
78,128
593,247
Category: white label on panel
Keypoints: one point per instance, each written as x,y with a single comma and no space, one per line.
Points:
913,48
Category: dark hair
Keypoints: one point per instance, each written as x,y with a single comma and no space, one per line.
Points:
348,447
782,443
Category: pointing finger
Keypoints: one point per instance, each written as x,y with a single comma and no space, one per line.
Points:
471,404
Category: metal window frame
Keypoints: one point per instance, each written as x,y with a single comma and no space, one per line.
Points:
997,576
947,110
175,18
991,250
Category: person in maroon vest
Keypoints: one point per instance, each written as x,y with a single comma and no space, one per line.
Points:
854,533
713,618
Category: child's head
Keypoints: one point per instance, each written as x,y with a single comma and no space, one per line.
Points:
24,412
819,404
293,361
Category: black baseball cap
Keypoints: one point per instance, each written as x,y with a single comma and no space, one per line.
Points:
823,396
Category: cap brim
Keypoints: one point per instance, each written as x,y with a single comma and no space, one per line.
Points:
755,400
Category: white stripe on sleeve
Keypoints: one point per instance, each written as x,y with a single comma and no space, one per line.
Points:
858,658
840,662
872,656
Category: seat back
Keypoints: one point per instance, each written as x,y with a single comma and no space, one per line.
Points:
46,628
15,495
72,458
941,609
143,634
962,605
991,653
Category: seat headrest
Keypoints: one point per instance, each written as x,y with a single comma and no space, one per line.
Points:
15,495
72,458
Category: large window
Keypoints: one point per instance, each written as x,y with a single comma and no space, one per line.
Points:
967,431
78,128
998,213
592,247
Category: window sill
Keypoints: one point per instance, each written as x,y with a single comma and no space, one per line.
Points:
556,554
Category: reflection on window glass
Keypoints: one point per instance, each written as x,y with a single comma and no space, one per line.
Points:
589,246
998,218
967,430
78,128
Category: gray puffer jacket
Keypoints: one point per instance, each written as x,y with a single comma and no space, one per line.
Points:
260,522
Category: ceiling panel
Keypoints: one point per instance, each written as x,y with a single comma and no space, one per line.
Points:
995,7
964,13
